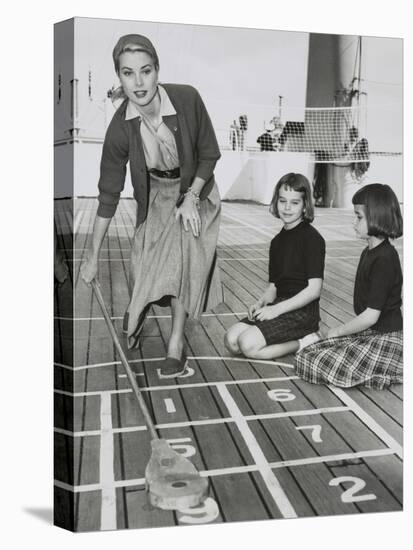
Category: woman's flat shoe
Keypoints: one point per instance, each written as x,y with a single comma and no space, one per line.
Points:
125,323
139,326
172,367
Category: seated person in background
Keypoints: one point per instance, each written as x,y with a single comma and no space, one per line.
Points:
357,151
266,140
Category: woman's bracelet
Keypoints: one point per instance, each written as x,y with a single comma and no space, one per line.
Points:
194,195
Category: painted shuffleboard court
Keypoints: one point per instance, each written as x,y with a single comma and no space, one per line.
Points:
272,445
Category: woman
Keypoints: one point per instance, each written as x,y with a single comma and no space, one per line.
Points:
166,135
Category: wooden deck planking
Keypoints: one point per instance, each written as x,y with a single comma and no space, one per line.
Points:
243,281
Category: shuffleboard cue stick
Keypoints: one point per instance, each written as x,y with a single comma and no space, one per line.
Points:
172,481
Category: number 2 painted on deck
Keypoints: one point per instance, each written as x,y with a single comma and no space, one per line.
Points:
349,494
204,513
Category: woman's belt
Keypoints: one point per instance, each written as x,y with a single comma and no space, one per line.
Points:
170,174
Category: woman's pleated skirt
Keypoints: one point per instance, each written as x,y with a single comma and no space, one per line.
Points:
167,261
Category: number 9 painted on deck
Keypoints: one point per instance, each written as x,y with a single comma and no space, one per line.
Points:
204,513
281,394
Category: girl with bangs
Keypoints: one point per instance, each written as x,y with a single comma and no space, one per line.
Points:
288,310
368,349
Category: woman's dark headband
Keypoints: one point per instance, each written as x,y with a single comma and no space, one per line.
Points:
131,42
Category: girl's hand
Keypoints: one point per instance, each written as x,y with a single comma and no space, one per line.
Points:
252,309
266,313
89,270
189,214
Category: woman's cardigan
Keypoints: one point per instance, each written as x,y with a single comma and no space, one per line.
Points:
196,143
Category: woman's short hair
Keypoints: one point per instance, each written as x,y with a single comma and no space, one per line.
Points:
382,209
299,183
133,43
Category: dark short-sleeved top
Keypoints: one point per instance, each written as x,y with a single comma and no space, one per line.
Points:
378,285
296,255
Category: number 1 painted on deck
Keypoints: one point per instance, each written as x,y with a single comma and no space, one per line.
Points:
315,432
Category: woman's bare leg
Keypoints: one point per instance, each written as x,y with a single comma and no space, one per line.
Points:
176,339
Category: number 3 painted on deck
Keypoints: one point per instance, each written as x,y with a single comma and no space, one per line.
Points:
283,394
349,494
205,513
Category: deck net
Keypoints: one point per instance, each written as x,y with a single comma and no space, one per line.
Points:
328,135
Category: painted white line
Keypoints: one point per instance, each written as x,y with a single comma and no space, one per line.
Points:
107,475
179,386
241,259
194,357
74,260
328,458
57,318
234,248
368,421
207,422
84,433
211,384
271,482
288,414
170,405
235,469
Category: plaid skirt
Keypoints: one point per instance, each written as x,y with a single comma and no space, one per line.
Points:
292,325
371,358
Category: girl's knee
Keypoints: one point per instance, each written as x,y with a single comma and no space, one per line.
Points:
231,341
231,344
248,345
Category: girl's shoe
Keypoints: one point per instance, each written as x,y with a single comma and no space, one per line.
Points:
172,367
308,339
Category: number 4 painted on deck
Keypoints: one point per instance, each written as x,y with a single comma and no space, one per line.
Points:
315,432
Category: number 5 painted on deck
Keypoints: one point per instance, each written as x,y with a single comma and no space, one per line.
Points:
349,494
204,513
315,432
187,450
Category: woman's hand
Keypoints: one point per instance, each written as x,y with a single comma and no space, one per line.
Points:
266,313
89,269
189,214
